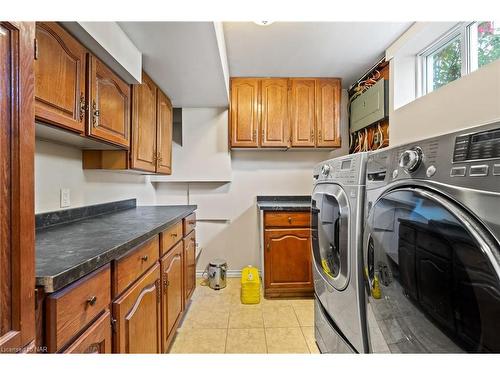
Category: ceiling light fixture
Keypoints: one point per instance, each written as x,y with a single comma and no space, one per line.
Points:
263,23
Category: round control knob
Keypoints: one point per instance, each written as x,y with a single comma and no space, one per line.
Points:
410,159
430,171
325,169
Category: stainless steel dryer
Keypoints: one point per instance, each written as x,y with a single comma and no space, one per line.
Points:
337,216
431,245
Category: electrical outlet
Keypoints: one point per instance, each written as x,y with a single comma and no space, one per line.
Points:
65,198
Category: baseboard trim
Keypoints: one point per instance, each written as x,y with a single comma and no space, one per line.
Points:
229,273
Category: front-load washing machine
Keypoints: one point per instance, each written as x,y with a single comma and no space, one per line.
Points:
431,245
336,226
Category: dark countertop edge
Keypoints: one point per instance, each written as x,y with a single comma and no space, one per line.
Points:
284,198
52,284
284,202
50,219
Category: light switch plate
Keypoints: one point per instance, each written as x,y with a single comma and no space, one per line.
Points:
65,198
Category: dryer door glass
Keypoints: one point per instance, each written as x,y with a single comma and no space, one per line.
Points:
329,218
432,276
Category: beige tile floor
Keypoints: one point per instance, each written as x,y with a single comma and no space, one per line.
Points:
217,322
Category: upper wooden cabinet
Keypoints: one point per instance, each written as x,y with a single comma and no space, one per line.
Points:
60,77
76,91
274,113
285,112
328,112
143,150
17,152
243,117
152,123
109,104
303,112
164,129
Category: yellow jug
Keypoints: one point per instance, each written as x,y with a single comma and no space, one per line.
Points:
250,285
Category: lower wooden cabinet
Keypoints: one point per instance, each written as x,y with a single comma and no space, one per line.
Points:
172,299
96,339
189,265
137,314
287,255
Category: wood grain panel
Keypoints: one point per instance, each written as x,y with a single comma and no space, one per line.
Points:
137,313
70,309
170,236
302,112
109,105
143,150
328,112
96,339
164,134
172,293
60,66
17,150
274,113
133,264
244,117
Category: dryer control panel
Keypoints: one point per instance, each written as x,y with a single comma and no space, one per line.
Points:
346,170
469,159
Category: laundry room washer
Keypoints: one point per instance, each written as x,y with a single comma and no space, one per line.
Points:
336,231
431,254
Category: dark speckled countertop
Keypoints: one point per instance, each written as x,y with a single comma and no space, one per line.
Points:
66,251
284,203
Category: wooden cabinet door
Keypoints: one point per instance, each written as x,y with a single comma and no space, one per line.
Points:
172,293
137,314
96,339
274,113
244,118
17,151
109,101
302,112
164,134
328,112
143,155
287,258
189,266
60,77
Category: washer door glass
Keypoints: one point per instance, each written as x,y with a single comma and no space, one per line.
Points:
329,227
432,276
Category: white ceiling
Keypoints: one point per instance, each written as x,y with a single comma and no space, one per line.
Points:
308,49
183,59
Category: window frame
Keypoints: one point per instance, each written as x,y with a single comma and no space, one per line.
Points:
424,79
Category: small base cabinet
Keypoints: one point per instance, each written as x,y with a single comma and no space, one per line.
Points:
96,339
287,255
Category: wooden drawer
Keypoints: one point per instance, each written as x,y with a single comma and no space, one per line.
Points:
72,308
96,339
132,265
287,219
189,223
169,237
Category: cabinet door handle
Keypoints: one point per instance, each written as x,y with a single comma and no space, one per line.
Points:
289,220
319,135
95,114
144,258
254,136
268,246
83,106
312,134
92,300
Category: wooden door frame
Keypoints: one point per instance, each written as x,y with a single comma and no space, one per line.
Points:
22,230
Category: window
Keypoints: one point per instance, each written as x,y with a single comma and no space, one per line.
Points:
465,48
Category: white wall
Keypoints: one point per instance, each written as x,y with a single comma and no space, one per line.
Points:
471,100
58,166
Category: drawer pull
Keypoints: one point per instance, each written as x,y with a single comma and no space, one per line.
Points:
192,222
289,219
173,234
92,300
144,258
